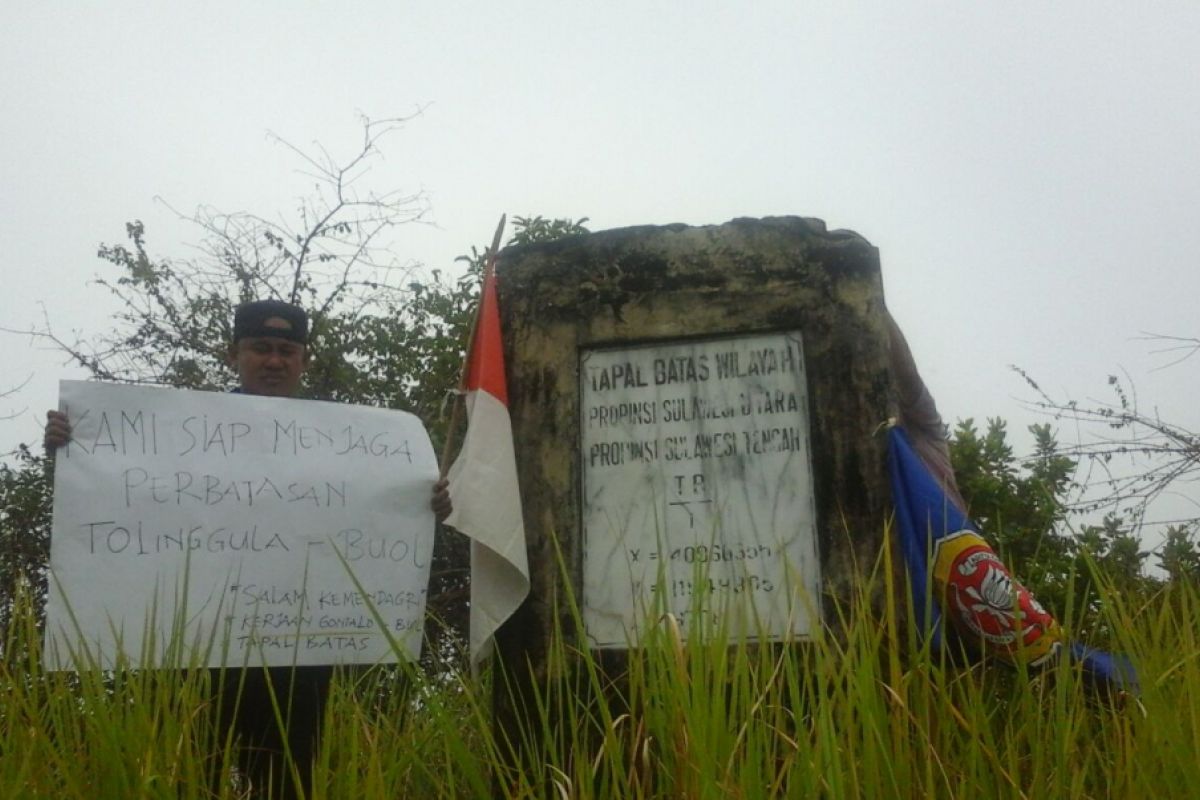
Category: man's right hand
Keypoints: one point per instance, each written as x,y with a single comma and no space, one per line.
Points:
58,431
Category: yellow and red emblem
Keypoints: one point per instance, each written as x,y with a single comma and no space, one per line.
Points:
985,603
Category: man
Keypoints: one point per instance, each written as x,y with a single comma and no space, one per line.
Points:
919,414
972,589
270,354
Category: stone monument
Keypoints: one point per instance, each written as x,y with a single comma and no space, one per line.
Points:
694,411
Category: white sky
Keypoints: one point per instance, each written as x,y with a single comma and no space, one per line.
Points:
1027,169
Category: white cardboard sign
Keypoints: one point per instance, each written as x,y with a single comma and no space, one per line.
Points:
249,530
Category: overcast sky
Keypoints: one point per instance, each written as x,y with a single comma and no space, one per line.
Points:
1028,170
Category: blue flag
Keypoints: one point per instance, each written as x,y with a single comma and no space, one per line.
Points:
956,577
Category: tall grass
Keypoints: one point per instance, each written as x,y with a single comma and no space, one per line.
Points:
864,709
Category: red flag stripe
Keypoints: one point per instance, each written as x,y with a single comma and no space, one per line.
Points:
485,368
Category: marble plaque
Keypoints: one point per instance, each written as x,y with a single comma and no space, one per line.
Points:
697,489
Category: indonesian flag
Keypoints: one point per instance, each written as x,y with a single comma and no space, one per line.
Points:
483,483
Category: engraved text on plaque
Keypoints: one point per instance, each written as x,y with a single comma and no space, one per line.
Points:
697,487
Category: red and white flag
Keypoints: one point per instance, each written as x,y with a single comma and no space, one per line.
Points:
483,482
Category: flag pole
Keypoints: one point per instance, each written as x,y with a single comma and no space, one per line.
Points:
489,268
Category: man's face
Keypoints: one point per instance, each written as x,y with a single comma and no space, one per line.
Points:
268,365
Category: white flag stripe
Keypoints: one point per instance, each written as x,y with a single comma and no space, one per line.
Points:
487,508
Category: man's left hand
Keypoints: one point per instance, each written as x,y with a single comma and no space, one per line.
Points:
440,503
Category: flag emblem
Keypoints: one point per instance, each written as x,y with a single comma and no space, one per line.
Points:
986,603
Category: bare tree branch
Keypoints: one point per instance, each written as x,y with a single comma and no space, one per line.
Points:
13,390
1175,344
1132,457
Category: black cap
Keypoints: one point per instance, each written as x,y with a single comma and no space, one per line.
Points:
288,321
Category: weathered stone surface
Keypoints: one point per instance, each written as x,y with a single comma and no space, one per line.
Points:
644,284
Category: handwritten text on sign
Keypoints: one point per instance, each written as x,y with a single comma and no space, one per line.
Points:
697,486
244,508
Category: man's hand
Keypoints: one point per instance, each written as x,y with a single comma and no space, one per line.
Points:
58,432
440,503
